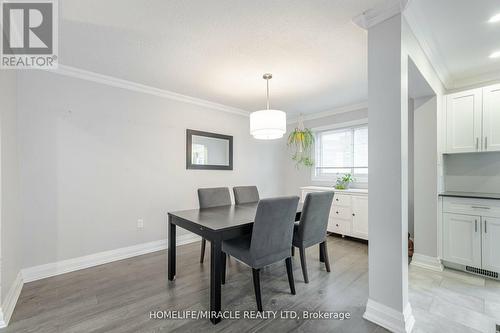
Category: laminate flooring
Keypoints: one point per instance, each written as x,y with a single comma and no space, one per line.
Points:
120,296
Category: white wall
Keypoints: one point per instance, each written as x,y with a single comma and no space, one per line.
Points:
95,158
11,238
475,172
298,177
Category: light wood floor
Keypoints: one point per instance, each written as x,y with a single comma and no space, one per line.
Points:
119,296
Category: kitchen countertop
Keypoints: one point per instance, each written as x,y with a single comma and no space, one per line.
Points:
331,188
475,195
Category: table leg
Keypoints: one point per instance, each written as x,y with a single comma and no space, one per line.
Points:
215,278
171,249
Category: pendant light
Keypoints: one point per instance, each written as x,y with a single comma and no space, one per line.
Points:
267,124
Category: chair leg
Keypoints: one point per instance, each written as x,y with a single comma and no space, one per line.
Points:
321,254
325,255
289,272
293,251
256,286
302,253
203,245
223,274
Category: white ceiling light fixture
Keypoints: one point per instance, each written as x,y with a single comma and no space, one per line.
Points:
267,124
495,18
495,55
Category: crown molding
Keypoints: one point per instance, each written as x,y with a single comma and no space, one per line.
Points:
141,88
474,81
374,16
416,21
323,114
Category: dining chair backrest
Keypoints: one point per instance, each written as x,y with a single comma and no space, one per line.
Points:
245,194
314,217
214,197
273,229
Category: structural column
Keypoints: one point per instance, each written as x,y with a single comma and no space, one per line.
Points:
388,174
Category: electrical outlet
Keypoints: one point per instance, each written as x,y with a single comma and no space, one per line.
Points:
140,223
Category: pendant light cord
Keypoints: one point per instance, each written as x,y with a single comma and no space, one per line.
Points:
267,80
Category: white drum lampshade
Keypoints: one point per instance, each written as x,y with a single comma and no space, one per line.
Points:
267,124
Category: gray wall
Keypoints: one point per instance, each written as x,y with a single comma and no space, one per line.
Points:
95,158
11,232
474,172
411,167
425,176
298,177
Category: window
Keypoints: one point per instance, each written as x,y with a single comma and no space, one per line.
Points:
342,151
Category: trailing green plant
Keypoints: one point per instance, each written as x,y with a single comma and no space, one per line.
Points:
301,141
344,181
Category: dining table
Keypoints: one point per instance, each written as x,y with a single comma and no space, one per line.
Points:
215,224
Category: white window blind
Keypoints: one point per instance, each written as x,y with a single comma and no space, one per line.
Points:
342,151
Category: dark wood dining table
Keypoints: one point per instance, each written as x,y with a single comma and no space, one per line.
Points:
215,225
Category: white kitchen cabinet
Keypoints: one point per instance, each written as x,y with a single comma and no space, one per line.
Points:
471,235
464,121
359,227
473,120
349,211
491,244
462,239
491,118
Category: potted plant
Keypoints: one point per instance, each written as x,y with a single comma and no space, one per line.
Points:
344,182
301,140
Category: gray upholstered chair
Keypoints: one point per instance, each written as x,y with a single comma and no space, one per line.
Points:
245,194
311,229
212,197
269,242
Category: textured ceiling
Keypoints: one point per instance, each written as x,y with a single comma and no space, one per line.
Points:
218,50
459,38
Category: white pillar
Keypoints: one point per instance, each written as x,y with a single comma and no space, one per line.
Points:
388,303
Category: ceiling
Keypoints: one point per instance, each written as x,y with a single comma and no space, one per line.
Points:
458,38
218,50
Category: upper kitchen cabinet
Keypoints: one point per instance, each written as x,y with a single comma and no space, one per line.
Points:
473,120
463,121
491,118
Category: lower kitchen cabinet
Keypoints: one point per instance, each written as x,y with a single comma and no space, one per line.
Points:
462,239
491,244
471,235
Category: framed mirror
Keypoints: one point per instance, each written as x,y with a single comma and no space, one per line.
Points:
208,151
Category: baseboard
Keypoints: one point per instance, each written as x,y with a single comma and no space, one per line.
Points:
394,321
70,265
427,262
10,300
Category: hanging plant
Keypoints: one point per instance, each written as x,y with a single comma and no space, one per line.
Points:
301,141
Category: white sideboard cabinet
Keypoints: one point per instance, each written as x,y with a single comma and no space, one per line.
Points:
349,211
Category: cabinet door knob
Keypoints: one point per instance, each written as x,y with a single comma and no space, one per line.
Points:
353,214
337,199
336,212
337,224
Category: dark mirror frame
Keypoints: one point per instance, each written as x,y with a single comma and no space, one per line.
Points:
189,141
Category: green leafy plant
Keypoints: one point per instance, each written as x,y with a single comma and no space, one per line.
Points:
301,141
344,181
